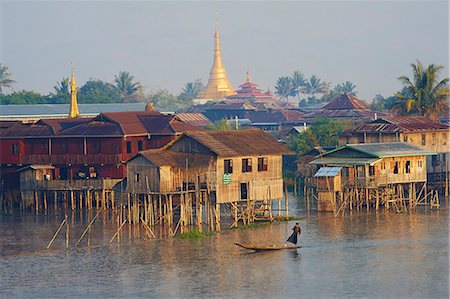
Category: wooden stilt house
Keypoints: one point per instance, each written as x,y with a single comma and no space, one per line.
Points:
240,168
367,171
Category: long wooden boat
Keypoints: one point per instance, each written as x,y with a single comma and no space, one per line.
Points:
263,248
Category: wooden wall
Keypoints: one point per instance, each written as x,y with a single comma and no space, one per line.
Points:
261,184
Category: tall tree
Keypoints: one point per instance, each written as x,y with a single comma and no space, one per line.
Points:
192,89
97,91
62,87
298,81
61,93
5,78
126,84
424,94
285,87
346,87
315,86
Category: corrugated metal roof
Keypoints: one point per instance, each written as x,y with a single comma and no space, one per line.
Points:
344,161
400,124
346,102
356,113
194,119
328,172
388,149
239,143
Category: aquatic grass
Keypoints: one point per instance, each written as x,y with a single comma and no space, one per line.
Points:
195,235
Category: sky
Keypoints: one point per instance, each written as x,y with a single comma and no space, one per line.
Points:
167,44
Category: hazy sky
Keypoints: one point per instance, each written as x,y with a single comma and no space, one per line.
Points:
166,44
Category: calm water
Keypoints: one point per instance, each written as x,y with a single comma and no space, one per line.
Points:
385,255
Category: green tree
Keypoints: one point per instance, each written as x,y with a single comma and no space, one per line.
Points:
285,87
298,81
98,91
5,78
322,132
221,125
129,89
314,86
424,94
23,97
61,92
189,92
164,101
346,87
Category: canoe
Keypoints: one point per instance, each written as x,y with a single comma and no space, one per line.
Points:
263,248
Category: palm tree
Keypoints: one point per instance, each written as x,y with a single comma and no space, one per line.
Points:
5,78
346,87
423,95
298,81
285,87
126,85
192,89
314,86
62,87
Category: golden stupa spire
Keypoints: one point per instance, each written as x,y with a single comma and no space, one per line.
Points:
73,91
249,78
218,85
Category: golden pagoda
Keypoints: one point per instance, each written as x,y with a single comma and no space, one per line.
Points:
218,85
73,91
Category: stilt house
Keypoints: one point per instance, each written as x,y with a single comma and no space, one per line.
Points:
365,167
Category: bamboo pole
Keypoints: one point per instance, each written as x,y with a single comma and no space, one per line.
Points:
67,233
88,227
117,231
148,228
57,231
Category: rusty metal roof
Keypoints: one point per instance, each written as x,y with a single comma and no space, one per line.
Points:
167,157
400,124
194,119
20,129
239,143
346,102
59,124
364,114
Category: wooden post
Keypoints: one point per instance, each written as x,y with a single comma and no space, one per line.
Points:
67,233
45,200
287,200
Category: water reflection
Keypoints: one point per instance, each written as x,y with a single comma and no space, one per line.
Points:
361,254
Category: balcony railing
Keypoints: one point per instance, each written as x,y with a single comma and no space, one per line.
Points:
71,159
381,180
70,184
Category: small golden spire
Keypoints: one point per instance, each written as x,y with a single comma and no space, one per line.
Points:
218,85
73,91
249,78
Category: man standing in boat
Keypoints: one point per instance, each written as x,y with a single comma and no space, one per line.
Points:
293,238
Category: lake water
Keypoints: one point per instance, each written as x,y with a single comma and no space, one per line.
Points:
384,255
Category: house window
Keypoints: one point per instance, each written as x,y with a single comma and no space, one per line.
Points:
139,143
128,147
419,163
405,138
408,167
228,166
246,165
14,148
444,141
371,170
383,165
137,178
433,138
424,139
396,167
262,163
244,191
